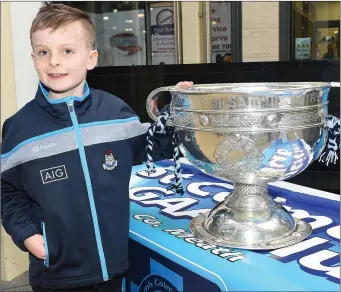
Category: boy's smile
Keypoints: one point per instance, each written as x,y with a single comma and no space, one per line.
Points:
57,75
62,58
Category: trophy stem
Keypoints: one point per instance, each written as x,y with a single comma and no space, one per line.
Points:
249,218
252,199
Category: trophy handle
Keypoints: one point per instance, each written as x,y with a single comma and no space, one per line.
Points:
151,103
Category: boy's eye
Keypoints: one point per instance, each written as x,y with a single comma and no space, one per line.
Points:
68,51
42,53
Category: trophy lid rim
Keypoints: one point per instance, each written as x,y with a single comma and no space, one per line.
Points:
253,87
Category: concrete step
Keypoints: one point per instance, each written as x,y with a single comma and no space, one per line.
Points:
20,283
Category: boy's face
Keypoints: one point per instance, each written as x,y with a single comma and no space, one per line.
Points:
62,58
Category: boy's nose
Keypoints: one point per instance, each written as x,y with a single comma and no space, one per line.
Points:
54,61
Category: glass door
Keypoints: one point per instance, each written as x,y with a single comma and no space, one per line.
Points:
316,30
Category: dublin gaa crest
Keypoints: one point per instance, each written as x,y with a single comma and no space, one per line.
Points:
110,161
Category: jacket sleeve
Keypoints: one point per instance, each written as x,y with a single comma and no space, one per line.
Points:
15,204
162,143
15,214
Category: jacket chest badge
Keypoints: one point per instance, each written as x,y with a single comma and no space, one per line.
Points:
110,161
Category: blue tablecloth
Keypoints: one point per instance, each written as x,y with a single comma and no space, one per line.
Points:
165,256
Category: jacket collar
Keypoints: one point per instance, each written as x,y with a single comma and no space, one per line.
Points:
58,108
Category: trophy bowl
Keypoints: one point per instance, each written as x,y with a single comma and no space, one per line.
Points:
249,134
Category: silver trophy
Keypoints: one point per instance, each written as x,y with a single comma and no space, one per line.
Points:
250,134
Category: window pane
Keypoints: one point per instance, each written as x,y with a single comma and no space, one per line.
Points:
120,31
121,37
162,33
221,32
316,27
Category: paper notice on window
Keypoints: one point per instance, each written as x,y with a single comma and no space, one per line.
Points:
221,32
163,38
302,48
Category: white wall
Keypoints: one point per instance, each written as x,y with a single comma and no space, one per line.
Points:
260,31
26,79
191,33
13,261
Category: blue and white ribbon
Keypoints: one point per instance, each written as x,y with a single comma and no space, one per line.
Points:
160,128
329,154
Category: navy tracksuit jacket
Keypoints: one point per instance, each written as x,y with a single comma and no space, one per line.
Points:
65,170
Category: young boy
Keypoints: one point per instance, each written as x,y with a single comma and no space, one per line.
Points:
66,163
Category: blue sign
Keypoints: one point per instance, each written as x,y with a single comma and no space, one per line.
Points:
164,252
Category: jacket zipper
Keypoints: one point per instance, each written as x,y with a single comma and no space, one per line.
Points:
85,168
47,260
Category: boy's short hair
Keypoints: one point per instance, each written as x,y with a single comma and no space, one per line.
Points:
56,16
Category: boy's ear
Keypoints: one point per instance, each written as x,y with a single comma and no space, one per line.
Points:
92,60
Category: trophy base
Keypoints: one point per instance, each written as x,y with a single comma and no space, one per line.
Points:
301,232
249,218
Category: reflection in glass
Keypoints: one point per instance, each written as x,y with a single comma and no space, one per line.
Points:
316,30
132,33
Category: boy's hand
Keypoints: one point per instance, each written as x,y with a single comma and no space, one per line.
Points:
184,84
35,245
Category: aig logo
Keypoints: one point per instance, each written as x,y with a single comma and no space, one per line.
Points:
53,174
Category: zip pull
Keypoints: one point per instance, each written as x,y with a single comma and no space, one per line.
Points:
70,105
